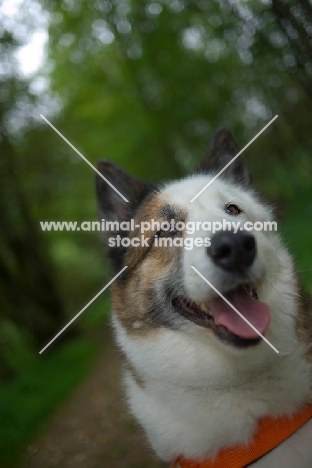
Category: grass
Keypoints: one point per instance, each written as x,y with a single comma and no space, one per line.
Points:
28,401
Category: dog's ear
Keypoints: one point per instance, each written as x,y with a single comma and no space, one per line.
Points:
221,150
111,205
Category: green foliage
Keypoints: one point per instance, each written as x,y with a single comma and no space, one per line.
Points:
27,401
98,313
296,232
15,347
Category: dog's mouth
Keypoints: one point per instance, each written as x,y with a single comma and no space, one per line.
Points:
227,324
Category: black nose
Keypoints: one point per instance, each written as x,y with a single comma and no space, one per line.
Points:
233,252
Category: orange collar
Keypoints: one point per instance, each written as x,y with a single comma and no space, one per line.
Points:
270,433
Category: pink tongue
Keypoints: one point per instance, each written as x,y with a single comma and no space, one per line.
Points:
256,312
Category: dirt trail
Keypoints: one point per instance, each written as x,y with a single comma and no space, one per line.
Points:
93,429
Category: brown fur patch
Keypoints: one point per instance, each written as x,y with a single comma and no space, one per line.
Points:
304,322
133,299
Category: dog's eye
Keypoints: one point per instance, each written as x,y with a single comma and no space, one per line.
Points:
165,233
232,209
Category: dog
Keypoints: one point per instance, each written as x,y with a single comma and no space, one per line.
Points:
199,378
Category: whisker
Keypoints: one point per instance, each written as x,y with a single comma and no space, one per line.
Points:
290,314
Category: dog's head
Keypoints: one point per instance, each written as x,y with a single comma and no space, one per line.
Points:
170,294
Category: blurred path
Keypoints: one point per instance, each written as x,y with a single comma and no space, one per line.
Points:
93,429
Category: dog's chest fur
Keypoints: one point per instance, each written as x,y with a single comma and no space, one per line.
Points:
193,392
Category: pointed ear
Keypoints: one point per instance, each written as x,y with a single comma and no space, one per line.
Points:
111,205
221,151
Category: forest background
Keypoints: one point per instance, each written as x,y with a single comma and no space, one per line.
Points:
144,84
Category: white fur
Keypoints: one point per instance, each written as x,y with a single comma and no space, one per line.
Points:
200,394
